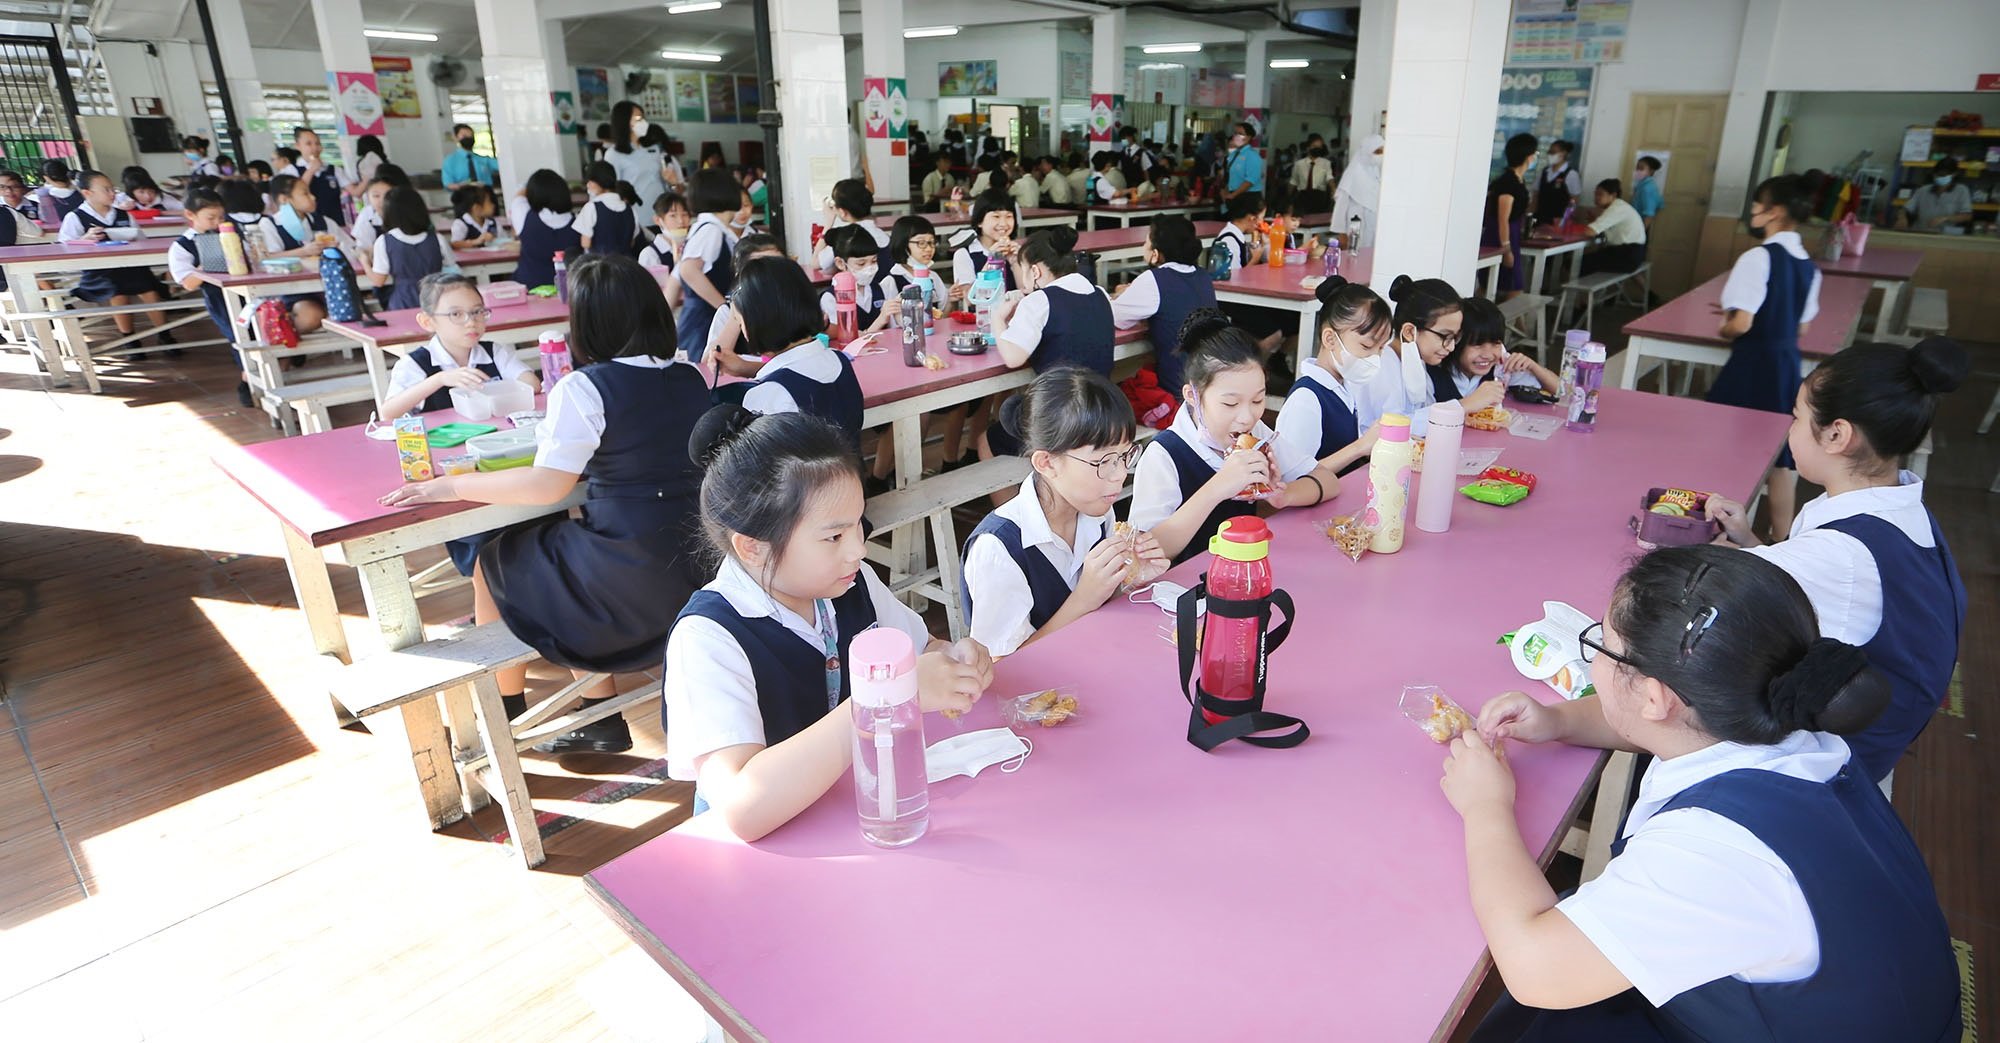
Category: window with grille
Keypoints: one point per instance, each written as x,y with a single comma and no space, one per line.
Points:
469,108
286,107
35,121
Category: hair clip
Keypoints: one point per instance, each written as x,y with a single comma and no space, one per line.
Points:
1696,627
1693,579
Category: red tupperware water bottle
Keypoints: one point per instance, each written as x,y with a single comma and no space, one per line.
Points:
847,324
1239,570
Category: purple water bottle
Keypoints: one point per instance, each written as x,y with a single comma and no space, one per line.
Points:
1332,255
1582,404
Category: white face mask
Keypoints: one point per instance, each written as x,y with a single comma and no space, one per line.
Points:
1354,369
1167,595
970,753
1416,380
863,276
639,129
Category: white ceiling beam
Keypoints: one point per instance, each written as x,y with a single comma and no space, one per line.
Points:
586,8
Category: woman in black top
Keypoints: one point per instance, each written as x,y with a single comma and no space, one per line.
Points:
1507,211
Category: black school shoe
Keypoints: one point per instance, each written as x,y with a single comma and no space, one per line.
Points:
610,735
243,394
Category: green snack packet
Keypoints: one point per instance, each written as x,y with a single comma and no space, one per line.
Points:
1503,494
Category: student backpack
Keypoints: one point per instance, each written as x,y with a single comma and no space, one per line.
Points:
275,320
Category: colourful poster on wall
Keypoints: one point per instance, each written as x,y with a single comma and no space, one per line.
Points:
969,78
398,84
1100,118
689,105
721,97
749,100
360,106
593,94
875,107
899,110
1548,103
564,103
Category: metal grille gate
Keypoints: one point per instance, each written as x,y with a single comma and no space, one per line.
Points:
37,107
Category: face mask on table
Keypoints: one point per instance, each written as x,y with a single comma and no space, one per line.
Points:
970,753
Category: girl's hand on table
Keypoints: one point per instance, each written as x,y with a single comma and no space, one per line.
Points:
467,377
1477,779
1516,715
1733,518
437,490
974,655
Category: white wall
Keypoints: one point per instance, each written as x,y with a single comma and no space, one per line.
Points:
1870,45
1674,47
173,78
1829,128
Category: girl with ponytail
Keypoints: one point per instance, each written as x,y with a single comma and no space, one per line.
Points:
1318,418
1867,551
1762,888
1062,320
1429,321
747,682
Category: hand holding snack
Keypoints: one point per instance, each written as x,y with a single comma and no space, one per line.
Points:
1252,464
1517,715
1104,569
1477,779
1486,396
1430,709
944,683
1734,519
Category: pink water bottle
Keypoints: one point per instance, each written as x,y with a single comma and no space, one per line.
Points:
846,322
555,358
561,278
891,787
1240,570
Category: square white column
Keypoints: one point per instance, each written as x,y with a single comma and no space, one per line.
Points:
1444,98
807,49
517,89
1107,52
1374,37
343,49
246,92
882,55
1257,75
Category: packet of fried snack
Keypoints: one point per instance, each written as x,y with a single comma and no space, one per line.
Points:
1429,708
1046,708
1347,533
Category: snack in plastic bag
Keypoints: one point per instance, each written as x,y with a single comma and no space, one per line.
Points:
1492,418
1501,486
1429,708
1255,490
1125,531
1348,534
1679,502
1046,708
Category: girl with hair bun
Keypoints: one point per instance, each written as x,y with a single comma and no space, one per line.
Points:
1429,321
1867,551
752,681
1761,889
1318,416
1061,320
1053,554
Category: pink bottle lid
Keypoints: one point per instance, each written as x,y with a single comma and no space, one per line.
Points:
883,666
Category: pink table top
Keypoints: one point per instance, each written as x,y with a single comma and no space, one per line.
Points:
1262,280
1880,262
1150,206
49,251
402,325
944,221
1550,238
1695,316
490,254
884,378
1084,870
324,486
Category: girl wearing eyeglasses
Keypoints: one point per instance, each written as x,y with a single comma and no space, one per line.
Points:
451,308
1761,888
1050,555
1429,319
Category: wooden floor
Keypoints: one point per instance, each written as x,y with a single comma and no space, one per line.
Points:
190,849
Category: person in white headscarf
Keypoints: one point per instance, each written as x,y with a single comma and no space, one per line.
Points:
1360,190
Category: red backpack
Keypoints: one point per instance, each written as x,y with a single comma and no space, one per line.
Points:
276,322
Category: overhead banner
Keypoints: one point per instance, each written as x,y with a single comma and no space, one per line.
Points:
875,108
565,105
899,117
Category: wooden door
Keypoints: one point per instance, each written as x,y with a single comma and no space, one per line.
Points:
1688,127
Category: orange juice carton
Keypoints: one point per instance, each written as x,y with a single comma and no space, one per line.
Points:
413,449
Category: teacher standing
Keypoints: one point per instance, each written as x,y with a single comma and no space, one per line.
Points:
465,166
638,155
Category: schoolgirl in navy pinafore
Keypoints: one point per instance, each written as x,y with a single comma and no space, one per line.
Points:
601,592
1886,969
791,675
1192,472
409,263
328,200
1181,293
1337,427
101,284
1763,367
695,315
316,223
977,251
211,294
539,243
1045,584
1923,619
1078,332
613,232
839,401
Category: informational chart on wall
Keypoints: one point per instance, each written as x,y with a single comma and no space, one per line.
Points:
1568,31
1549,103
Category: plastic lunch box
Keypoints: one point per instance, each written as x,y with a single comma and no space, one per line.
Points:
503,449
1668,530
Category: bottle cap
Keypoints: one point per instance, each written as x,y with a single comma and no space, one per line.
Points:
1575,338
1592,352
1395,427
883,666
1241,539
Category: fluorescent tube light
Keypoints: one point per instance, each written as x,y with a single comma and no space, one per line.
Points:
1289,63
1171,48
398,34
923,31
690,56
708,5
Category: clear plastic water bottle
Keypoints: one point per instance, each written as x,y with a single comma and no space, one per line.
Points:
912,322
1354,231
562,278
1573,342
1582,405
1332,255
891,787
986,289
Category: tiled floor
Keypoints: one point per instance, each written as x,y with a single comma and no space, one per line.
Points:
190,849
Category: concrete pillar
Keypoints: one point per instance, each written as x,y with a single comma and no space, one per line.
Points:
1737,154
882,55
562,77
1444,89
1369,92
514,59
342,48
812,100
232,39
1256,75
1107,52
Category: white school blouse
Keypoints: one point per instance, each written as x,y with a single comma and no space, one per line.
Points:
1141,298
573,428
1696,897
708,687
1840,577
1156,486
408,374
586,218
1750,277
1301,423
707,238
517,213
379,256
813,360
1031,316
1001,598
72,226
1389,392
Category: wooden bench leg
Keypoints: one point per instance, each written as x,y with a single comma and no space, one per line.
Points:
503,775
385,585
950,573
1609,811
467,742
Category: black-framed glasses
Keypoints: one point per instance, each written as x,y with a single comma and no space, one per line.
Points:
461,316
924,240
1594,646
1449,337
1113,467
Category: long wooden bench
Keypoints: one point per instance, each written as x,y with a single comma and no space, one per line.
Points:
308,400
72,339
485,743
1597,285
1930,311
